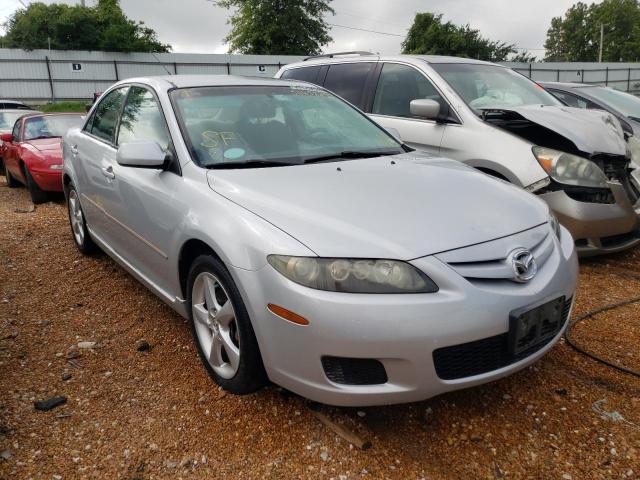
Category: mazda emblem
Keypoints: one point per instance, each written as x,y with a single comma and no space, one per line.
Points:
524,265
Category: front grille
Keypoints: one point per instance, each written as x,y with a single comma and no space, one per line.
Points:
482,356
619,240
591,195
354,371
616,167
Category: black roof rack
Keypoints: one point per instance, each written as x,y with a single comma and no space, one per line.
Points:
336,54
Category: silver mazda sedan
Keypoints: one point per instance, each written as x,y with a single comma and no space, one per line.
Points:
307,246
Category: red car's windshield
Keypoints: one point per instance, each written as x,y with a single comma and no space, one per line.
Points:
50,126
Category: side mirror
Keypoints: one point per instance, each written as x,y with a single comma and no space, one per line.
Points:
425,108
6,137
141,155
394,133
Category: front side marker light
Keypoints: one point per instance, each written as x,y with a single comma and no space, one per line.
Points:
287,314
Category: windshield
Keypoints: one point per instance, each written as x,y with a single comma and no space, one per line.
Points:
8,119
271,125
50,126
625,103
490,86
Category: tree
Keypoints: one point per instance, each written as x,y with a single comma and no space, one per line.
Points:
278,27
64,27
523,57
429,35
576,36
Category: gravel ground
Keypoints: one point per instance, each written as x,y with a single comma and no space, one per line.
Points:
156,414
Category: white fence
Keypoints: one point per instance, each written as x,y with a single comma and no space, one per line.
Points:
42,76
58,75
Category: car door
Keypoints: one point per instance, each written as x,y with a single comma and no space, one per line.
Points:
397,85
349,81
93,154
11,152
147,210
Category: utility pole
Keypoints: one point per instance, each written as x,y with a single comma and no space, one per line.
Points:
82,3
601,42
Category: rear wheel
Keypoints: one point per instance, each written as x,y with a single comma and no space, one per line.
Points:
221,328
11,182
37,194
81,236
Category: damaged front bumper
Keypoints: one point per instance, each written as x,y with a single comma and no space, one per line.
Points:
598,228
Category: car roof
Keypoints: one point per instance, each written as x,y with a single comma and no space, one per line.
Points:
168,82
19,110
432,59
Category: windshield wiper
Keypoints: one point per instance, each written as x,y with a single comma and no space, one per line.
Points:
351,154
249,164
635,119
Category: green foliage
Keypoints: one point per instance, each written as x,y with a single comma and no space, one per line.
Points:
63,107
430,35
523,57
576,36
103,27
277,27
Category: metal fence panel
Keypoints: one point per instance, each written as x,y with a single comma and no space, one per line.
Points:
42,75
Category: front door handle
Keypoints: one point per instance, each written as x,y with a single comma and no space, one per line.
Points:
108,172
74,149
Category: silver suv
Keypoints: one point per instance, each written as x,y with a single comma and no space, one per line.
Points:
503,124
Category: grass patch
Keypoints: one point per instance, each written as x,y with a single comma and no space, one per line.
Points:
63,107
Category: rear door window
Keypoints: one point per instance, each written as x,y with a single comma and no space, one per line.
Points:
306,74
105,118
348,80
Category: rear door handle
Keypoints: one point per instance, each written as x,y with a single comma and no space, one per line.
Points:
74,149
108,172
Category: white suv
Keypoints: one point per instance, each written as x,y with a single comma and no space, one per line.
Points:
502,123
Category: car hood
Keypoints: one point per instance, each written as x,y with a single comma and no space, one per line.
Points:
49,145
401,207
591,131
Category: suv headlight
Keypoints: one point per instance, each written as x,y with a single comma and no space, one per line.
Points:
353,275
570,169
555,225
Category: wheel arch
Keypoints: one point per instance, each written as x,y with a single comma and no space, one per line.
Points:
190,250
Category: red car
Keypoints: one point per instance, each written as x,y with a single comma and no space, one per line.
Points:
32,153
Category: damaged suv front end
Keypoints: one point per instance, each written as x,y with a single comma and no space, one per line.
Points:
589,184
589,181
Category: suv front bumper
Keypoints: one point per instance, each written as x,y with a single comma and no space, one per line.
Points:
598,228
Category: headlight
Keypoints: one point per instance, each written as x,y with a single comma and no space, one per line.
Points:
570,169
555,225
353,275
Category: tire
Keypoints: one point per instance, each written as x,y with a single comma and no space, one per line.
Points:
79,231
38,195
11,182
217,336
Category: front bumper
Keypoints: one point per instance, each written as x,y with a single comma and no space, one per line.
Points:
400,331
598,228
47,179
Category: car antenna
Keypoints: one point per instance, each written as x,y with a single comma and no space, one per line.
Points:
162,64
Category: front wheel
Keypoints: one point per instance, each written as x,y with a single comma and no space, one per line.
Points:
37,194
81,236
221,328
11,182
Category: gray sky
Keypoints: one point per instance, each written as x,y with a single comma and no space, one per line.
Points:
196,26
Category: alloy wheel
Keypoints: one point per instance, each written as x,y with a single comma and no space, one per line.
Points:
216,325
76,217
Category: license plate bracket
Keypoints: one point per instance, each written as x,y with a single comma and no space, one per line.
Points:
531,326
